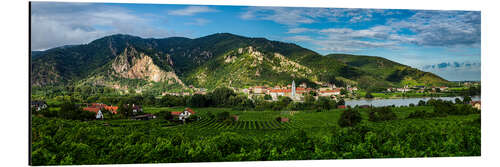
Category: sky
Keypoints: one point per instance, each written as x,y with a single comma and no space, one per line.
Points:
444,42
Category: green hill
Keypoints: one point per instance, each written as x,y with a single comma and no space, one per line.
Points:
390,71
223,59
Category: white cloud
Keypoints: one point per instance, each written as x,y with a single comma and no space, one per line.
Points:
199,22
427,28
286,16
443,28
191,10
298,30
297,16
57,24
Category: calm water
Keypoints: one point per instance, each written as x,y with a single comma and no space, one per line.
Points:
400,102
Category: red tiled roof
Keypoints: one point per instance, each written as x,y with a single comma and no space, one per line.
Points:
92,109
175,113
113,109
280,90
95,107
179,112
190,110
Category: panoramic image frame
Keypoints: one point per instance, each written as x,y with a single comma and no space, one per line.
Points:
116,83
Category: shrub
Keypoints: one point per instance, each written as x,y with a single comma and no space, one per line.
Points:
70,110
419,114
267,97
167,115
378,114
325,103
350,117
421,103
210,115
223,116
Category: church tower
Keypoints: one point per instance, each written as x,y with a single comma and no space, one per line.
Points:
293,88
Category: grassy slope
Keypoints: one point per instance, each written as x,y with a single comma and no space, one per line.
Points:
390,70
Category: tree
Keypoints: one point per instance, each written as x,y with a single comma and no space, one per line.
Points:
350,117
343,91
325,103
167,115
458,101
283,102
70,110
308,100
125,109
341,102
467,99
328,78
378,114
267,97
220,96
197,100
421,103
313,93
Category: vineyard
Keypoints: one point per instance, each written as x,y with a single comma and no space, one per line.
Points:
242,125
256,136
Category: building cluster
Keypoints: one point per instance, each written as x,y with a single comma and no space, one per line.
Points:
38,105
418,89
294,92
99,108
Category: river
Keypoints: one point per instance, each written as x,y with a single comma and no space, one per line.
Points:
401,101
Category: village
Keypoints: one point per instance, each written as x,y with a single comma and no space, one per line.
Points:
266,92
298,92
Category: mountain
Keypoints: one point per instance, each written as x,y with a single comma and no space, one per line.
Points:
223,59
389,70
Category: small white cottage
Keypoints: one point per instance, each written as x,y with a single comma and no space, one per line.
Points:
99,115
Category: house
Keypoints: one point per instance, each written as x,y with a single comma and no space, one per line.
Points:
329,93
184,114
303,85
144,117
476,104
259,89
136,108
284,119
99,115
341,106
38,105
443,88
405,89
275,93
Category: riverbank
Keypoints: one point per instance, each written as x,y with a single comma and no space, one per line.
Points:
378,102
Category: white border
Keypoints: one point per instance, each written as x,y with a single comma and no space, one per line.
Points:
14,82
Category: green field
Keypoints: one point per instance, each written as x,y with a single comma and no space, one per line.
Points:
255,136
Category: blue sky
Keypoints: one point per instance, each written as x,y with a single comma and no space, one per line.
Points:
423,39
